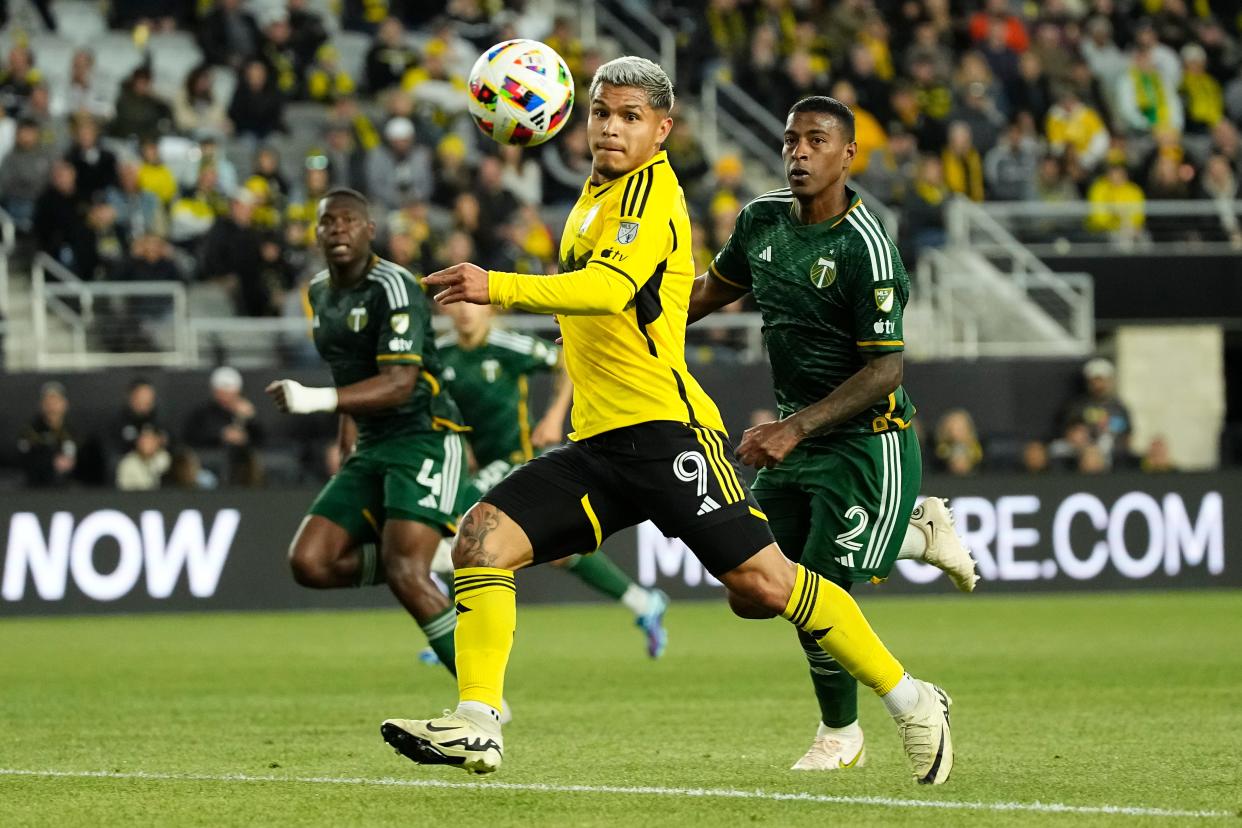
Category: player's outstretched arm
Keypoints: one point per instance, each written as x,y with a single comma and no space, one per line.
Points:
767,444
596,290
388,389
709,294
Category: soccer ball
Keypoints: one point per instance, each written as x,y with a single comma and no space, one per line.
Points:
521,92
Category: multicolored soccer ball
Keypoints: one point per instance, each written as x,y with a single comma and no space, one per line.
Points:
521,92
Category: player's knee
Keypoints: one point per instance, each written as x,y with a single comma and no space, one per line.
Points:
475,544
745,608
310,567
758,589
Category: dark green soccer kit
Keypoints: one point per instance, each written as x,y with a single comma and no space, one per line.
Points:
410,461
831,294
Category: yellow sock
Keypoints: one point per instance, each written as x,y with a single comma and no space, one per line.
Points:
486,618
831,616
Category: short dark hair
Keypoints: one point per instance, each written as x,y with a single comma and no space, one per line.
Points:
348,192
825,105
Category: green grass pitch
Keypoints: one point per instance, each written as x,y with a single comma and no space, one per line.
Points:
1088,700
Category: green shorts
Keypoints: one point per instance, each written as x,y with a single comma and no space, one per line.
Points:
420,477
842,508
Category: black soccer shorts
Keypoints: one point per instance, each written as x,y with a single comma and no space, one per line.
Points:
683,478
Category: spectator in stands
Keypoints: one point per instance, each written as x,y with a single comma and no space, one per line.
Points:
1035,458
1031,92
17,78
211,155
567,164
137,413
154,176
159,15
226,421
924,205
761,76
95,165
497,204
53,129
1226,142
186,472
192,215
277,51
963,168
1009,167
195,108
307,33
1116,202
228,35
868,132
1072,126
1203,100
958,451
138,211
104,256
143,466
267,167
1001,57
1158,459
1102,413
86,93
727,32
151,260
326,80
1108,63
48,446
453,174
978,111
892,167
59,220
231,256
399,170
1163,58
23,174
346,160
996,17
1146,98
872,90
520,175
258,108
726,185
389,58
931,90
1218,183
139,111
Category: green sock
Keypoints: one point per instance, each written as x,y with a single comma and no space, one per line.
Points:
370,565
599,573
439,632
835,689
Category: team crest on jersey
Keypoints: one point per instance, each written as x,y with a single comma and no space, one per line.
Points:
400,322
357,319
884,299
823,272
626,232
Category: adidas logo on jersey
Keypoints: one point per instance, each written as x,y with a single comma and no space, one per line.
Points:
708,505
766,254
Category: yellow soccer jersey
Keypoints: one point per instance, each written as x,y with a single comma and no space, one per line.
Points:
622,296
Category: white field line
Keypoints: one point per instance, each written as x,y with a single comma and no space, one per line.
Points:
707,793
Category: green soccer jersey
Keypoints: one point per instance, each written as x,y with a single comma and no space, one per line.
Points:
382,320
830,293
489,383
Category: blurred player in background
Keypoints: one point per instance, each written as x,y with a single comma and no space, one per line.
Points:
487,371
647,443
403,477
840,470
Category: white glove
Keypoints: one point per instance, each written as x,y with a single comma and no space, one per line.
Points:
303,400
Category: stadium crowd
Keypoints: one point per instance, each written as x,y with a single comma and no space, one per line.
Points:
211,178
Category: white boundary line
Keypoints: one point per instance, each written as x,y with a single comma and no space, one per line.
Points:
708,793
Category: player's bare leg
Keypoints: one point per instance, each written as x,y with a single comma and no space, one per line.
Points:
324,556
407,551
770,582
488,548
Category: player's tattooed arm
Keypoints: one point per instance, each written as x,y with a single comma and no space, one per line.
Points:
708,295
879,377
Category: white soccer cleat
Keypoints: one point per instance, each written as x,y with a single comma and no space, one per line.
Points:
925,735
833,752
472,743
945,549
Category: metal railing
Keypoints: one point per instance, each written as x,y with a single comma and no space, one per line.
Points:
1204,227
105,324
596,15
727,110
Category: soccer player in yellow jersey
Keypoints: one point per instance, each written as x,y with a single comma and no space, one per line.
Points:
648,443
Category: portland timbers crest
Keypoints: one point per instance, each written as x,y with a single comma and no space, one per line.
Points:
357,319
823,272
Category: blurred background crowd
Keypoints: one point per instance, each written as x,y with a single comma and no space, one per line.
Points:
192,143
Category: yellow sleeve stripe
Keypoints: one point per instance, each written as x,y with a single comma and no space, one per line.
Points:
413,358
757,513
711,268
872,343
